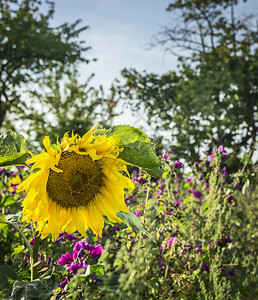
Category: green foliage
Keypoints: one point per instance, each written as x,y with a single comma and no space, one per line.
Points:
37,289
212,99
132,221
30,48
128,134
13,149
202,242
67,105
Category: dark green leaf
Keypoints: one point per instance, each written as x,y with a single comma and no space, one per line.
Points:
12,149
36,289
7,274
143,156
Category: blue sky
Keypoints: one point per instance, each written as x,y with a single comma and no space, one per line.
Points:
119,32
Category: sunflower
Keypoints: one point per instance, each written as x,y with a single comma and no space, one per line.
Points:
79,181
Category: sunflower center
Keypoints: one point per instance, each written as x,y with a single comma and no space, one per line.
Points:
78,184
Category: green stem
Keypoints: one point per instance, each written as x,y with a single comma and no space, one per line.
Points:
23,236
34,258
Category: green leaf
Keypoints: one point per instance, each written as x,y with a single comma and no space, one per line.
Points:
128,134
2,221
100,132
12,149
143,156
132,221
36,289
18,250
97,269
7,200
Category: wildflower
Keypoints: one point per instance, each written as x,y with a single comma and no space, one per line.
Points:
229,197
79,181
12,184
198,249
206,267
172,241
197,194
228,239
221,149
224,170
64,283
76,260
178,164
137,213
189,179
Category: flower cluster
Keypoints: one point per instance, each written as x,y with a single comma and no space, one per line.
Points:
83,255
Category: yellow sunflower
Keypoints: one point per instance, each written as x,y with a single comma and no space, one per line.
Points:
78,183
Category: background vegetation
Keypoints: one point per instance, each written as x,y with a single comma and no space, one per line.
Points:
201,239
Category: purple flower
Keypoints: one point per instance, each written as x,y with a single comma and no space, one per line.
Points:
229,197
221,149
166,157
32,241
64,283
71,237
224,170
197,194
190,190
212,156
189,179
20,167
206,267
170,151
66,259
95,251
196,164
198,249
172,241
228,239
141,180
178,164
74,267
159,192
116,228
137,213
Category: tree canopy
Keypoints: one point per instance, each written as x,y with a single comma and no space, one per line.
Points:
30,48
212,99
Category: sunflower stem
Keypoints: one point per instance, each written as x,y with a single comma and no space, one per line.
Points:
34,258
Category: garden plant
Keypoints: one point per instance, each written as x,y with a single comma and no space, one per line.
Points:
102,216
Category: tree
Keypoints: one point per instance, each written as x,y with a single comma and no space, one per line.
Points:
30,48
212,99
66,105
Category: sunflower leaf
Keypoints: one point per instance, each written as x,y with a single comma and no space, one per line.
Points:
100,132
132,221
142,155
128,134
36,289
12,149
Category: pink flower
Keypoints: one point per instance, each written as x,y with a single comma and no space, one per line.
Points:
172,241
